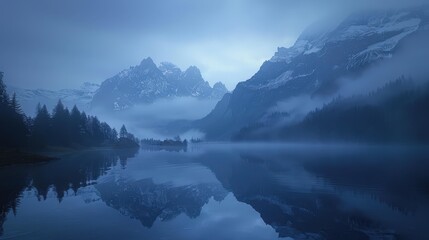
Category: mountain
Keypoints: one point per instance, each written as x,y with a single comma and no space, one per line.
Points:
314,65
29,98
147,82
146,201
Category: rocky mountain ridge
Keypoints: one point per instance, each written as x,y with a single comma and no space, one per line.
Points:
314,65
147,82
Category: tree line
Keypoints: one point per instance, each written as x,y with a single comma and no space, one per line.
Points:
60,128
397,112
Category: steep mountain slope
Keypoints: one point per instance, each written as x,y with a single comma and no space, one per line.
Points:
29,98
146,83
313,66
396,113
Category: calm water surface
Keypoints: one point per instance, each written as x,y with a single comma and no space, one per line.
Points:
221,191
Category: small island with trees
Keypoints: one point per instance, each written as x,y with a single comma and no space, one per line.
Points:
168,144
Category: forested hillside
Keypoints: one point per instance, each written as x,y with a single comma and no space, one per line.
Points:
398,112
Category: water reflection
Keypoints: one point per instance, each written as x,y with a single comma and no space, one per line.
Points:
147,201
332,193
220,191
73,171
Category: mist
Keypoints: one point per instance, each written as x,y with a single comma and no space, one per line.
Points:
410,61
157,120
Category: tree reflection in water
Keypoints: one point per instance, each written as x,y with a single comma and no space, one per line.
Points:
71,172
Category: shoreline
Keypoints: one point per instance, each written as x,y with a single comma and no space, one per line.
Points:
9,157
18,157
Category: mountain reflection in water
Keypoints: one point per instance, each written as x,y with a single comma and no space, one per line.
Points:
221,191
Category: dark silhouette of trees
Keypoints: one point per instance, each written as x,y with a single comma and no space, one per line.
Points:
395,113
13,128
61,125
70,129
123,133
40,135
126,139
76,128
4,98
62,128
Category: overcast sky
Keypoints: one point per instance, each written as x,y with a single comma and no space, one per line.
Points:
57,44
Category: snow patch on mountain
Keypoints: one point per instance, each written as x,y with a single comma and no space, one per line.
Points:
383,49
286,76
287,54
399,24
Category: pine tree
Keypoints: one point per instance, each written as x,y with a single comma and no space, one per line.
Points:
15,105
84,129
38,108
114,134
4,113
59,125
4,97
13,128
63,128
123,133
41,132
75,125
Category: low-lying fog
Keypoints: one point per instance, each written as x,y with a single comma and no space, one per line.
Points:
158,119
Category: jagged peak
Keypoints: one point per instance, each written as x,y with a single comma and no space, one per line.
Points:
193,69
220,86
147,62
193,73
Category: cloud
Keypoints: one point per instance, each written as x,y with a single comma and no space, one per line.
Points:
297,107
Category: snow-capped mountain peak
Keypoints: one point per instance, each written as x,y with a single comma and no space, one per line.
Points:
147,82
395,25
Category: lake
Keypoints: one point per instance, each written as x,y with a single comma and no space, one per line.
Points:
221,191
